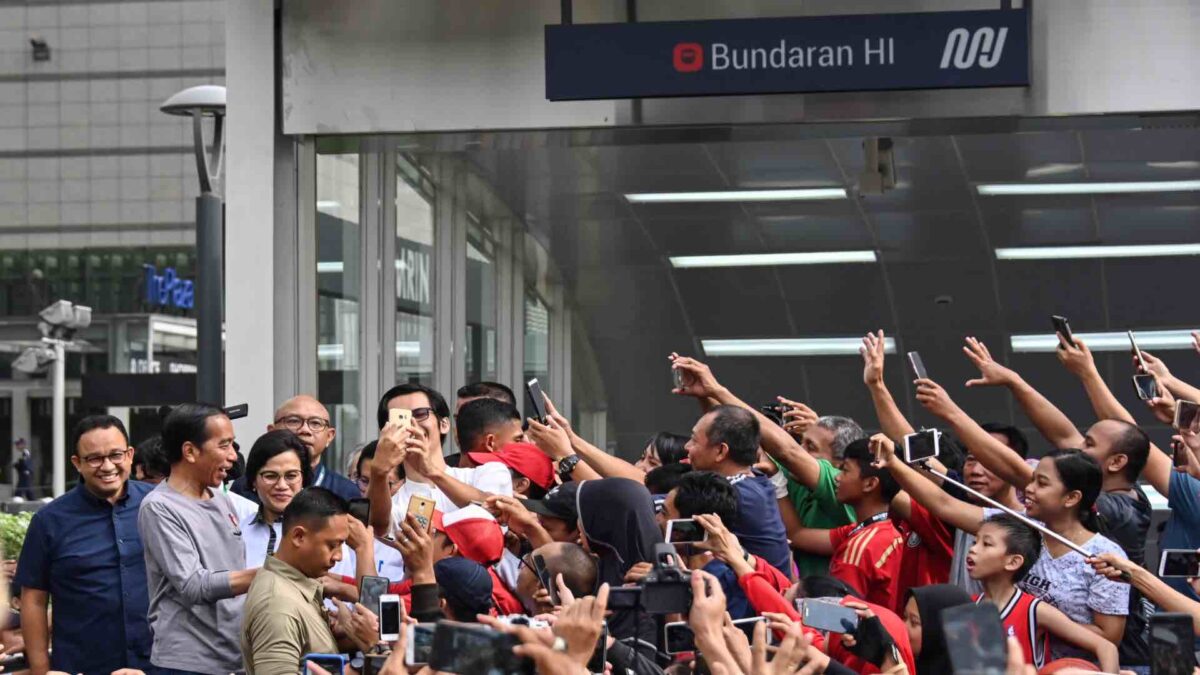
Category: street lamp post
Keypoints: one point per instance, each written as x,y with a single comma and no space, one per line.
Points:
198,103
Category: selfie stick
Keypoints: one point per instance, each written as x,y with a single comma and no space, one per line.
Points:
1125,576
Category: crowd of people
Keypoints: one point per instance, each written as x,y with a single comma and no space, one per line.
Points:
515,545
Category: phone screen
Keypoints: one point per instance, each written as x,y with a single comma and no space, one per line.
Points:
472,648
1187,415
1061,326
918,365
389,617
828,616
679,638
334,664
420,643
361,509
685,531
975,639
1146,386
1179,563
1172,644
543,575
537,402
369,591
921,445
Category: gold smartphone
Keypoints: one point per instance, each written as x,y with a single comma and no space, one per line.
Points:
400,417
422,508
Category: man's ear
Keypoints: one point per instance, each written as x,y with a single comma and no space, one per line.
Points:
444,425
722,452
189,451
1116,463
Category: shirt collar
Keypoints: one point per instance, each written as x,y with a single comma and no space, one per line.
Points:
96,501
312,589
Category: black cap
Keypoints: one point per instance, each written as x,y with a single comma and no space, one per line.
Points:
558,503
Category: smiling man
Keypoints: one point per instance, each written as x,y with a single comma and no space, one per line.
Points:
83,551
194,551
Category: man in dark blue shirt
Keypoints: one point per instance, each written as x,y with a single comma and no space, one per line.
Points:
83,551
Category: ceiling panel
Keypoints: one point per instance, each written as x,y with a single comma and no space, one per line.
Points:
733,302
1055,222
836,300
928,175
1031,292
968,283
930,235
1004,158
706,235
1152,292
772,165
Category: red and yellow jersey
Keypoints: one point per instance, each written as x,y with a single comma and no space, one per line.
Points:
868,556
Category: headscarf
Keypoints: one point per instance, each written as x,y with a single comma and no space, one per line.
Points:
931,600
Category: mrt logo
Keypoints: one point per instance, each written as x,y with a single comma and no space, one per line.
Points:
688,57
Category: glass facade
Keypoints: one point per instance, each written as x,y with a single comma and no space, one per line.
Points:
415,275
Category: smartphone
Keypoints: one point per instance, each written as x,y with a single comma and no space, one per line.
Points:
685,531
624,598
422,508
537,401
419,643
1146,386
678,638
334,664
1187,415
600,655
1136,352
1179,453
469,649
918,366
370,589
677,377
922,445
1177,562
975,640
543,575
389,617
1063,328
361,509
827,615
747,626
1172,644
400,417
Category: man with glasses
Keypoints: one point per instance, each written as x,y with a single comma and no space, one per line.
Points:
305,416
83,550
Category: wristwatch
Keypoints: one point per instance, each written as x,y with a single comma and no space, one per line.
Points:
566,466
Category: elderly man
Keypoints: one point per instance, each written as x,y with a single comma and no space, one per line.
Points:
304,416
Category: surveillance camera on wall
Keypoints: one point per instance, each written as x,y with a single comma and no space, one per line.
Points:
879,167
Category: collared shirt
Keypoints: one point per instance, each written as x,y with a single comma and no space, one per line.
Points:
87,554
283,621
492,478
262,539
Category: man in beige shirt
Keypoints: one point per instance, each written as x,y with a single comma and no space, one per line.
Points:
283,617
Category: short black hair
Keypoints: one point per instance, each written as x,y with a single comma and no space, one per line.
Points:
536,492
150,456
475,418
187,423
1019,539
670,447
93,422
1016,438
707,492
272,444
577,567
662,479
1135,445
368,452
436,401
486,389
860,452
825,586
313,504
737,428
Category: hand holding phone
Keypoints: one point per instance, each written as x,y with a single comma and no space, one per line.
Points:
400,417
918,366
921,445
389,617
419,644
361,510
1063,328
685,531
975,639
422,508
544,577
1179,563
537,401
827,615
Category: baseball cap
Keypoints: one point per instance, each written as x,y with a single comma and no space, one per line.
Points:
559,503
524,458
464,582
474,531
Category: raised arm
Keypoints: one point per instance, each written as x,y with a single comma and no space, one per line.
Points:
996,456
891,420
1078,361
1168,599
1049,420
389,454
1062,627
1177,387
559,441
962,515
811,540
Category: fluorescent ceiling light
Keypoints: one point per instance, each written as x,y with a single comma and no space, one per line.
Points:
766,259
328,205
795,194
836,346
1149,340
1185,164
1052,170
1003,189
1076,252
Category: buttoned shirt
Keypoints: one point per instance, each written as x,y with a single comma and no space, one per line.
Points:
87,554
283,621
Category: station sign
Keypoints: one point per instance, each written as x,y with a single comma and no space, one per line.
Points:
858,52
167,289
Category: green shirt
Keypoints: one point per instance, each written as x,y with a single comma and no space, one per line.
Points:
817,508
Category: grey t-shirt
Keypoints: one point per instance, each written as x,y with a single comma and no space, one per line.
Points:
191,547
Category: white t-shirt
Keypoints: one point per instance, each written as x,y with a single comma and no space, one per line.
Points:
492,478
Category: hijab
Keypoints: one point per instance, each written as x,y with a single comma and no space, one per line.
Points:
931,600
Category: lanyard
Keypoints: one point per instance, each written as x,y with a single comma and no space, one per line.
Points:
877,518
320,477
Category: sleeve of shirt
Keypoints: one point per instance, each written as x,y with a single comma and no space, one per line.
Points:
1106,596
166,540
493,478
33,567
779,481
276,642
935,536
837,536
1183,496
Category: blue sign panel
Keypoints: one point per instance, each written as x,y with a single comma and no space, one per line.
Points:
923,50
167,289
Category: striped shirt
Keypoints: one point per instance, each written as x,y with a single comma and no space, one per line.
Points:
868,556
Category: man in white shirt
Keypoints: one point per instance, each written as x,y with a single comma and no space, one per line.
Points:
419,448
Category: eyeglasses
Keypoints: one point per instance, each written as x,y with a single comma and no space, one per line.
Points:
97,461
364,482
421,413
296,423
272,477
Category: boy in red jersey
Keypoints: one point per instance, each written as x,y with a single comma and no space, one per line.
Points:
1002,555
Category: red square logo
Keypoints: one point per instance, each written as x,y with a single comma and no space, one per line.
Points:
688,57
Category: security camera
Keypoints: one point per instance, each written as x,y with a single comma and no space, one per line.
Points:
879,167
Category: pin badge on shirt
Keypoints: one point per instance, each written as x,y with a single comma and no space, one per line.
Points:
237,531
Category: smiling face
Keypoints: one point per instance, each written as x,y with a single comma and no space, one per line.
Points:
298,410
989,555
110,450
211,461
1046,497
703,455
278,481
434,429
818,442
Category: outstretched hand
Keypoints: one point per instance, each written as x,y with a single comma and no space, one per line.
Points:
992,374
696,378
872,351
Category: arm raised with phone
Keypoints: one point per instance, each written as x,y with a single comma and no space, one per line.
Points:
956,512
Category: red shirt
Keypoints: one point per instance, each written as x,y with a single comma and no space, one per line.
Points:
868,556
928,549
502,598
1019,618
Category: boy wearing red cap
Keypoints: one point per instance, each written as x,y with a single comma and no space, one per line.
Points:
474,534
532,471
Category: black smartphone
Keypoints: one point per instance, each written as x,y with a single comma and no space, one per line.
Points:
419,644
361,510
369,590
543,575
233,412
600,654
1179,453
470,649
334,664
1063,328
1177,562
922,445
825,615
918,366
678,638
537,401
1172,644
975,639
